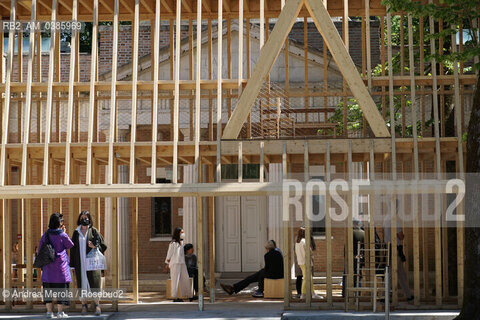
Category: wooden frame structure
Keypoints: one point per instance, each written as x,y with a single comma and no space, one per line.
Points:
58,163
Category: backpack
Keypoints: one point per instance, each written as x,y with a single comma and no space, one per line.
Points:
46,254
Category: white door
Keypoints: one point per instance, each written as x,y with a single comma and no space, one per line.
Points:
241,239
254,232
232,254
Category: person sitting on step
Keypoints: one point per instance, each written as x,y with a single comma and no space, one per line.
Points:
273,270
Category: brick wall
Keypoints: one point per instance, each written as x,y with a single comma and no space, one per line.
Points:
315,39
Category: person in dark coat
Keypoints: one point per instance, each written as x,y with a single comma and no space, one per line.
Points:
56,275
273,270
192,268
85,238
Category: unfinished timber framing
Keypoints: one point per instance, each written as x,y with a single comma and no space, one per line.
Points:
63,137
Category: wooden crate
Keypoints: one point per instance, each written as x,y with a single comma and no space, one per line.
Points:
273,288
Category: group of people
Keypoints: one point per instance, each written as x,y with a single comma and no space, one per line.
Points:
178,255
56,275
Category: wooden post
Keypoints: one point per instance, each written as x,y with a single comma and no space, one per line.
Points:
371,215
416,244
219,89
6,106
211,237
91,107
200,251
394,164
437,205
240,162
133,123
70,105
461,170
306,217
28,103
134,205
328,226
7,246
113,98
48,120
349,246
286,239
156,52
176,100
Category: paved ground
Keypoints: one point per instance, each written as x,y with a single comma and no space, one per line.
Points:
254,309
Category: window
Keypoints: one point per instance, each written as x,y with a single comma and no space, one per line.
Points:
249,171
162,214
318,210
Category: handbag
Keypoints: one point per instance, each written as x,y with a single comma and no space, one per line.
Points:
46,254
95,260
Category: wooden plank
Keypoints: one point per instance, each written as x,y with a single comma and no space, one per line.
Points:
28,98
262,24
415,212
133,122
305,63
240,162
113,98
48,114
70,105
437,208
200,250
328,227
91,106
266,59
349,230
134,205
219,88
306,218
394,267
371,215
262,161
198,66
210,77
8,241
190,73
156,52
240,46
6,106
211,238
461,171
285,224
176,100
368,45
330,34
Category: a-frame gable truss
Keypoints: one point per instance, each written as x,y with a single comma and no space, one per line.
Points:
271,50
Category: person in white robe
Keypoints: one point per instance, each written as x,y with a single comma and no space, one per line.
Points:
175,261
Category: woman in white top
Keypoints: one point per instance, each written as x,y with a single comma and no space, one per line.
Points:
175,261
300,245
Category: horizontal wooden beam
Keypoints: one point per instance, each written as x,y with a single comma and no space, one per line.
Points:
205,189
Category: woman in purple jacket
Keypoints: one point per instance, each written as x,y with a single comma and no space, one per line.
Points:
56,275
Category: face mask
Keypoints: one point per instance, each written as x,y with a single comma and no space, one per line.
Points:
182,236
85,222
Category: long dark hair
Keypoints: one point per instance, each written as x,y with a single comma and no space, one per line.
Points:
176,235
55,220
87,213
301,235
